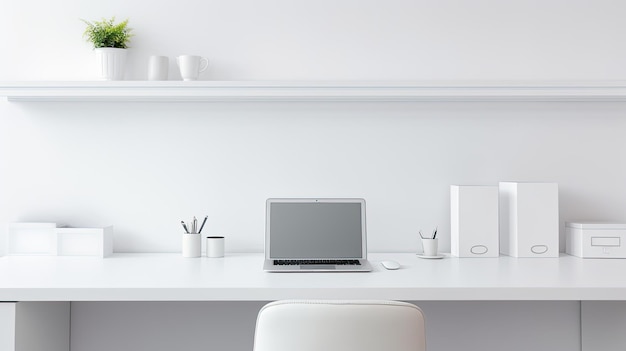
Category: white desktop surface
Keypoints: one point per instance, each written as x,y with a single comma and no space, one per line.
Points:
239,277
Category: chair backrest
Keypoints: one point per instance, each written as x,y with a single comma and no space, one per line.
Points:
340,326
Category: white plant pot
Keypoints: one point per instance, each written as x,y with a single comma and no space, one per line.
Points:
111,63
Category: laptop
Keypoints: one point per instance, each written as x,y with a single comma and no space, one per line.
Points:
315,235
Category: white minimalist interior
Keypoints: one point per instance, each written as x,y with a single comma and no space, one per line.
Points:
391,101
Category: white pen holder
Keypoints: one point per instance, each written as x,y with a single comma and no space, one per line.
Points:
215,246
430,246
192,245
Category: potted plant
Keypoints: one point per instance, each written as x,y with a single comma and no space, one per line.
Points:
110,41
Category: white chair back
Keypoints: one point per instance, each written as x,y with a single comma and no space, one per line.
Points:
340,326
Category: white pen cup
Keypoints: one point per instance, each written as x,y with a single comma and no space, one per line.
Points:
215,246
192,245
430,246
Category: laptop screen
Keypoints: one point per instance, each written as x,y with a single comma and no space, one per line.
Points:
316,229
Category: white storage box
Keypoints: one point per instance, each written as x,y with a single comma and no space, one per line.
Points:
47,239
595,239
31,239
474,221
85,241
529,219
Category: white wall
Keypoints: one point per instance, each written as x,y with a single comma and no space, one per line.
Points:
329,39
145,166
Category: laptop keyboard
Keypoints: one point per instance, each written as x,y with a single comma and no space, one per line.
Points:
307,262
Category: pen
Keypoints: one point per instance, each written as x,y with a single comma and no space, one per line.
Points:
421,236
435,233
195,225
184,227
202,226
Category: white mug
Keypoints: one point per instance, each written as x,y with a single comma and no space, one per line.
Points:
214,246
191,66
158,67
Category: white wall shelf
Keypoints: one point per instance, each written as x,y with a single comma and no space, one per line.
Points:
250,91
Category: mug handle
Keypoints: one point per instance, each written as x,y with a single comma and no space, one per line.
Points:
204,61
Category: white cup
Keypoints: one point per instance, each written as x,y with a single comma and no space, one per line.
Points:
190,66
158,67
215,246
192,246
430,246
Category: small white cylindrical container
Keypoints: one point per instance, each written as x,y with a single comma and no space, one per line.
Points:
430,246
215,246
192,246
158,67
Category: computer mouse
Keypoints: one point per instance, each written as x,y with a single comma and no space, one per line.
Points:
391,265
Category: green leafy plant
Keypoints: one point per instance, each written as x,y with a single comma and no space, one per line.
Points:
108,34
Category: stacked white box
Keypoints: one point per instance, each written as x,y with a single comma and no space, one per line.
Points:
474,221
529,219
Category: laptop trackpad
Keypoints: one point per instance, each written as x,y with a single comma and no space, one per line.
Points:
317,266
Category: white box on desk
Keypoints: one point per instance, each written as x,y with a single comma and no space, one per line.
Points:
474,221
595,239
31,239
85,241
48,239
529,219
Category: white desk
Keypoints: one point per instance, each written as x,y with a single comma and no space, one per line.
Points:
37,282
170,277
